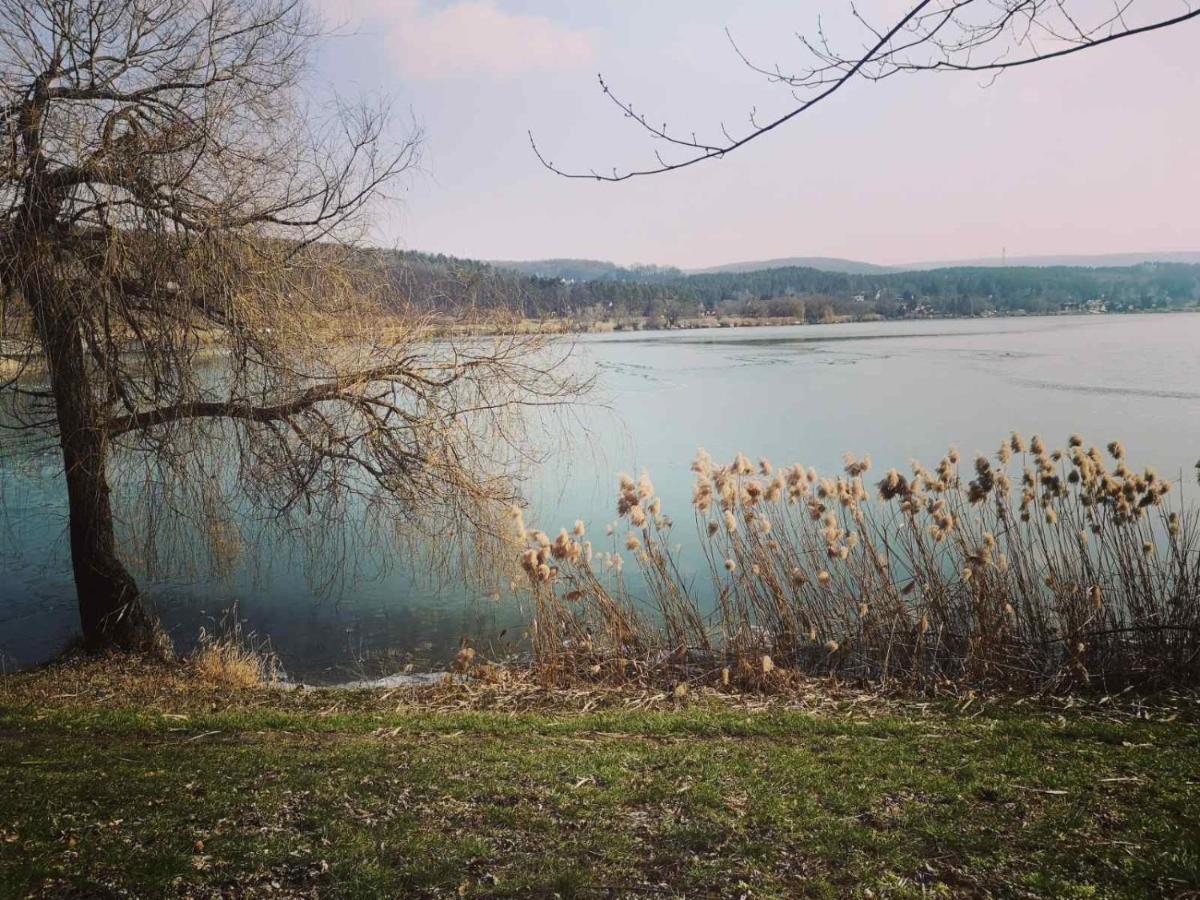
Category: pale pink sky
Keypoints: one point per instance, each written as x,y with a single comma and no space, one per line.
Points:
1091,154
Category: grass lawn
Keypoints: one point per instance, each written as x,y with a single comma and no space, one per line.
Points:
147,788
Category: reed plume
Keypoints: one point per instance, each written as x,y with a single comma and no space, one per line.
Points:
1048,569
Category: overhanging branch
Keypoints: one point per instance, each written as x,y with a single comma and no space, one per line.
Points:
921,27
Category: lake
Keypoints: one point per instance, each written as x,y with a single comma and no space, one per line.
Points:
807,394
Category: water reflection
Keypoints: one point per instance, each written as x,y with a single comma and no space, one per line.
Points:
805,394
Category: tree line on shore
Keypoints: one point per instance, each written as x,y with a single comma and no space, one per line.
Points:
447,284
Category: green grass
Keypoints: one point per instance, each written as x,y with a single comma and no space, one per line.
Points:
347,799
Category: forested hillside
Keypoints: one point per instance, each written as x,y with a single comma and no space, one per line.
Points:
448,284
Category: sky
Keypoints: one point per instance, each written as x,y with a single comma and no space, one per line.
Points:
1090,154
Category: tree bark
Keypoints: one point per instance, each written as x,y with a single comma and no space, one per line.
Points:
111,611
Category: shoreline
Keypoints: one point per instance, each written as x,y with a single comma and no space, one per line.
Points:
14,367
554,326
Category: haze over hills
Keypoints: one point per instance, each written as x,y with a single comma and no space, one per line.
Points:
586,270
602,270
823,263
1095,260
855,267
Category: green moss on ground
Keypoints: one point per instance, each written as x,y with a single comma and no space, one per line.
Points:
339,795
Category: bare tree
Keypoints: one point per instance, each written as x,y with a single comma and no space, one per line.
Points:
176,249
980,36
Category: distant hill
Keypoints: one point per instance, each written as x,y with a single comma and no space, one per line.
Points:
586,270
856,267
576,270
821,263
1091,261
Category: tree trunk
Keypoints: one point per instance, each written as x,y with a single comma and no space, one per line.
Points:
110,608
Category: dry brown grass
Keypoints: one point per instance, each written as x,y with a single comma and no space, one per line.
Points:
229,665
171,690
148,682
22,367
232,658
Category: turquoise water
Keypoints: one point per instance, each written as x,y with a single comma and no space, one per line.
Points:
898,390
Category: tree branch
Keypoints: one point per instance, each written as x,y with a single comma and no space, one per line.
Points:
926,22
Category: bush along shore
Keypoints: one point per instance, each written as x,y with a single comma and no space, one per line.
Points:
1038,569
129,778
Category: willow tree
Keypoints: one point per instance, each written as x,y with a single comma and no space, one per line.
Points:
177,247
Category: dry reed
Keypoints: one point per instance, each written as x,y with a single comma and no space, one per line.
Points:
1037,570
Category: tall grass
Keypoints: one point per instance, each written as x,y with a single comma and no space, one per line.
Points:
232,658
1038,569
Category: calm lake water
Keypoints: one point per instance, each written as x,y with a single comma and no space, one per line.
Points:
899,391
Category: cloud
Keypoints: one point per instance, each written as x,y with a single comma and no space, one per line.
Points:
470,38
